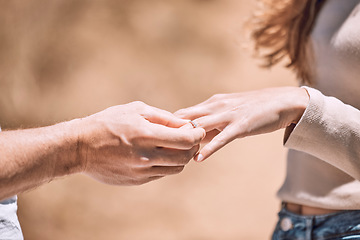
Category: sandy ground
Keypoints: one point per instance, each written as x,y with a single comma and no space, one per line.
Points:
66,59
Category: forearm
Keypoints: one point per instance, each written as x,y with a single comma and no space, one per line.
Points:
31,157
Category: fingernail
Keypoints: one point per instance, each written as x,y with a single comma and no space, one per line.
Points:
199,158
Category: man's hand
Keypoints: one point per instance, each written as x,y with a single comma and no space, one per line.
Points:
135,143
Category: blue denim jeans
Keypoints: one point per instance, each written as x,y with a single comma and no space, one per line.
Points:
344,225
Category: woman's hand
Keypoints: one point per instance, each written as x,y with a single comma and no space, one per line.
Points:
226,117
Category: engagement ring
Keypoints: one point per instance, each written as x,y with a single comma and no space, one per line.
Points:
193,123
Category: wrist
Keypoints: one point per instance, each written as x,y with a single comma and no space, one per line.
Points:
297,101
301,102
70,147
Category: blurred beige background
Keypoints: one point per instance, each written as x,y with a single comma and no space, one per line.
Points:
65,59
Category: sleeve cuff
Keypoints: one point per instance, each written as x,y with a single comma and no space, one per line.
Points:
302,133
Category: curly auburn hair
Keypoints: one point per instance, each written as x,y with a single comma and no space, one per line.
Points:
281,30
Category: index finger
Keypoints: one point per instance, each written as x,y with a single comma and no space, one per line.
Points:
178,138
163,117
193,112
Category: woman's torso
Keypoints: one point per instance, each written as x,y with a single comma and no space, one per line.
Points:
335,44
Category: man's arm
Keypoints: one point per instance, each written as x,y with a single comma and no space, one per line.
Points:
123,145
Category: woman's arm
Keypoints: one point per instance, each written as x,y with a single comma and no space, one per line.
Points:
329,130
316,124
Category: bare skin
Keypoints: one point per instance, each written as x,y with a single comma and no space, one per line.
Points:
123,145
226,117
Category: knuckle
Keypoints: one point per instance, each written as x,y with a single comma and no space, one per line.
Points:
214,97
180,112
217,96
222,103
138,104
233,116
201,134
220,141
141,134
188,140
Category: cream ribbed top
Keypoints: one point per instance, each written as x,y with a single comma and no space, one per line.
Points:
323,165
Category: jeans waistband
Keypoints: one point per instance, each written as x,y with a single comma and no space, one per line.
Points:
339,225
